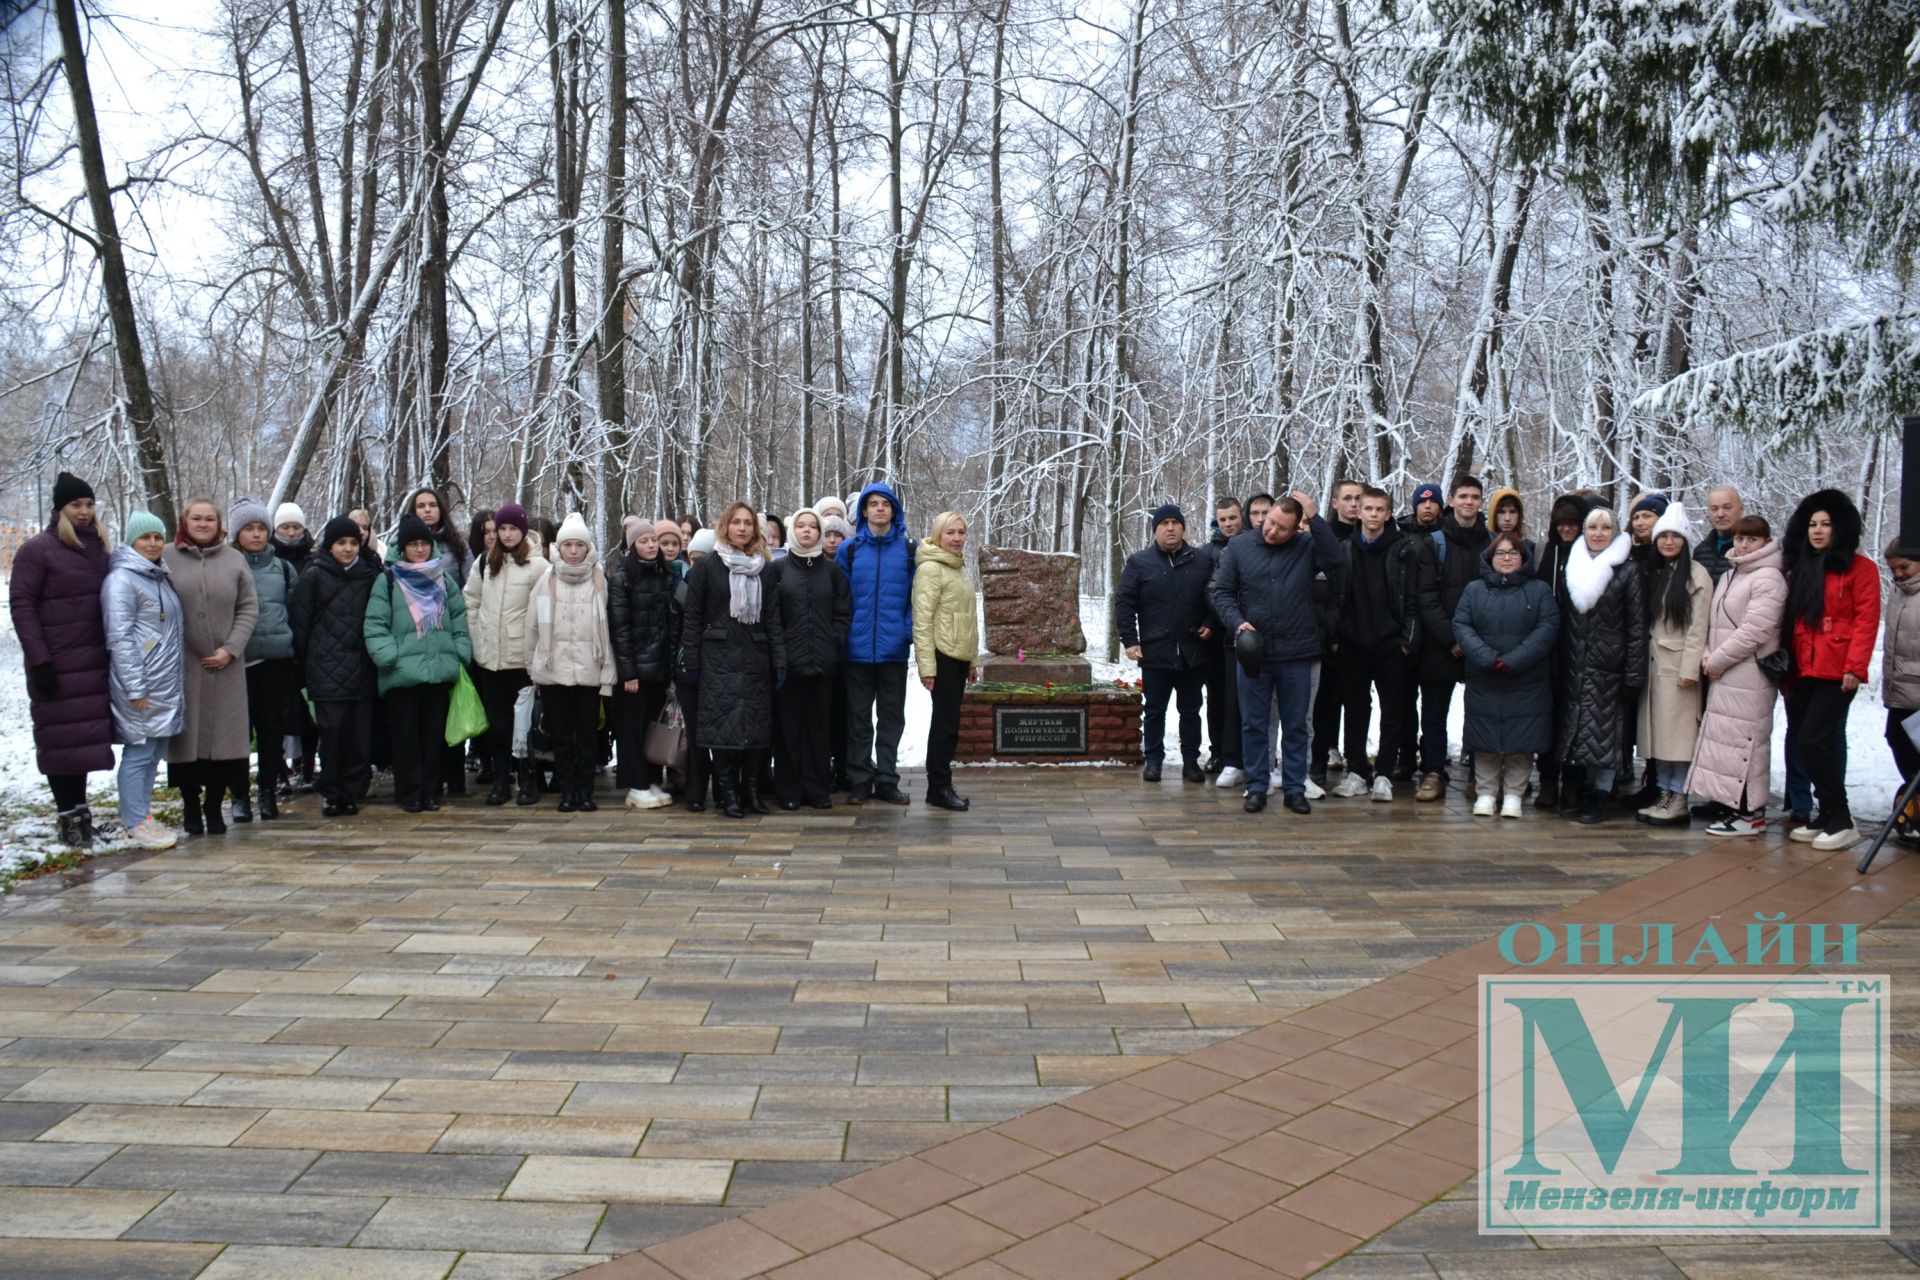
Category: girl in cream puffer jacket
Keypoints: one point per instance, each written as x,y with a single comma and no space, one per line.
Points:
498,592
570,656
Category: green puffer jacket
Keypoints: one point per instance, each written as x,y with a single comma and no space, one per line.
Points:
273,583
402,657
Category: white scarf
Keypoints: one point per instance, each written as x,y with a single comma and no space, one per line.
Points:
743,584
1588,574
807,553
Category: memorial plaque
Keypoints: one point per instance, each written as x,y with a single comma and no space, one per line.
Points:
1039,731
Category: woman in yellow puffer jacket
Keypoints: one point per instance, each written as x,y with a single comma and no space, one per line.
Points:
946,640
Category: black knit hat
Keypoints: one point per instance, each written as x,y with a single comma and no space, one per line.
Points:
337,528
412,529
1168,511
69,488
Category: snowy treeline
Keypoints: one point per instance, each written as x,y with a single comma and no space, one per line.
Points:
1049,263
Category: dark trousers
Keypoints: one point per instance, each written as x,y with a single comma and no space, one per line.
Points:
1436,699
943,731
1328,702
1817,718
498,691
346,747
1408,756
837,727
1184,685
69,789
875,691
418,715
269,684
805,705
1361,674
1223,705
631,713
699,759
1906,756
573,723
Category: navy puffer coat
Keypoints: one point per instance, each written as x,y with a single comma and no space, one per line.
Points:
1510,616
879,572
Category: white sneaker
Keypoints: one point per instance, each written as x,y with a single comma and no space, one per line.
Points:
1314,790
1231,777
1351,787
636,798
1336,763
1735,825
656,797
1382,789
1828,841
1805,835
1483,807
151,835
1510,807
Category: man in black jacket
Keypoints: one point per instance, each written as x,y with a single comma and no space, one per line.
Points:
1379,629
1329,696
1223,693
1164,622
1452,560
1265,585
1724,509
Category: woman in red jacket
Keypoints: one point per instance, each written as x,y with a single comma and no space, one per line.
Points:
1833,612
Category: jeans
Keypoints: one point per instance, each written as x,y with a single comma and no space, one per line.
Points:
1799,780
1436,699
139,766
1292,684
1817,718
1601,780
1183,684
1671,775
875,691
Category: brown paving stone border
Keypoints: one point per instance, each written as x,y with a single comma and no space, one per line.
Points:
1272,1154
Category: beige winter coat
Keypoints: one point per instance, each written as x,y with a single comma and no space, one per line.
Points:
497,611
569,642
217,601
1669,714
1734,753
1900,657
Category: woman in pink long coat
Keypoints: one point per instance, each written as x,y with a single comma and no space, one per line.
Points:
1733,757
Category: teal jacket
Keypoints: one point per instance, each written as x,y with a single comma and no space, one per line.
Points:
404,659
273,582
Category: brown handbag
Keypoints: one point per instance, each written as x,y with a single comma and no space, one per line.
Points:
666,741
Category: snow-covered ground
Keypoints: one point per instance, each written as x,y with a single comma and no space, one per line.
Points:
27,834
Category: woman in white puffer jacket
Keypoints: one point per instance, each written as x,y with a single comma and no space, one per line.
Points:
570,656
498,594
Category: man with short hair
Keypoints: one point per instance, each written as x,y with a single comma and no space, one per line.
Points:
1263,593
1164,621
1379,626
1223,693
1451,560
878,561
1724,509
1257,507
1329,695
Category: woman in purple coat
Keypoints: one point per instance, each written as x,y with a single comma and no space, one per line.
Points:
55,601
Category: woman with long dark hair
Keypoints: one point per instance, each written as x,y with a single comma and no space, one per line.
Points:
1679,593
430,507
497,596
736,655
640,614
1833,619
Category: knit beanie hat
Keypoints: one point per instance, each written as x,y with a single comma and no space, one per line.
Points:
830,505
246,511
836,524
630,529
1674,520
142,523
412,529
342,527
514,514
1167,511
1428,492
68,487
1654,502
664,526
289,513
572,529
702,542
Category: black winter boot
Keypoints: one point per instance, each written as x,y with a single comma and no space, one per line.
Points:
502,771
750,787
242,805
726,787
529,783
216,818
269,800
190,819
87,833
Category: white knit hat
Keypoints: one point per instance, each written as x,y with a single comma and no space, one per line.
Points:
1674,520
289,513
830,506
573,529
702,542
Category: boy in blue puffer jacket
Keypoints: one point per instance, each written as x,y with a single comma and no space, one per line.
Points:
878,561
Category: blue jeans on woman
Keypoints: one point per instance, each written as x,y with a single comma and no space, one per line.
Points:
139,766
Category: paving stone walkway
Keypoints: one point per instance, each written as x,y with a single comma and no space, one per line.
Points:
511,1043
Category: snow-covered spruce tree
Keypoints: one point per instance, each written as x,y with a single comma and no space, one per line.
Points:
1797,111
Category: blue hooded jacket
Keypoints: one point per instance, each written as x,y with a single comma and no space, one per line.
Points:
880,570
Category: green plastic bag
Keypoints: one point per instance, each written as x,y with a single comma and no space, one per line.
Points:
466,716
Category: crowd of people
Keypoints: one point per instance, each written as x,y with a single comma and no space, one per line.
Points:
1584,647
768,658
760,658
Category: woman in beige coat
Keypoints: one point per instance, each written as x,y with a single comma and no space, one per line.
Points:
570,656
498,592
1679,593
219,606
1734,755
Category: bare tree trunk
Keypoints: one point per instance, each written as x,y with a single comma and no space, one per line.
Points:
142,416
613,294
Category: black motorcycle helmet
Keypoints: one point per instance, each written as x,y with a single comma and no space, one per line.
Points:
1248,649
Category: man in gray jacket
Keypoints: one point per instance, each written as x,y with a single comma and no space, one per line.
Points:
1265,585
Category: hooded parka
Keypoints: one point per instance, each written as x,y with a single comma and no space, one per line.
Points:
54,596
1512,617
879,571
146,638
1734,752
218,601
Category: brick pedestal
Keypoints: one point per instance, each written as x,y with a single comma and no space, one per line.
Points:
1113,723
